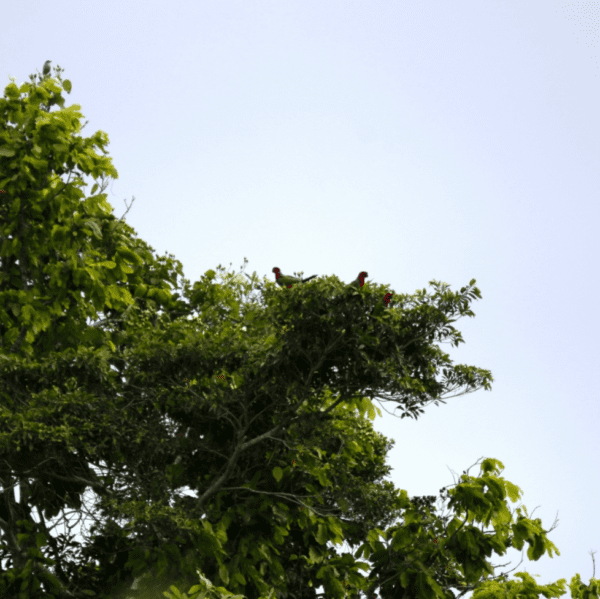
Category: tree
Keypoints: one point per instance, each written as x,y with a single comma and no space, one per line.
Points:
260,404
54,248
40,345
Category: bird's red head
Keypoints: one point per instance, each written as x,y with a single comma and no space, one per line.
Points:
277,272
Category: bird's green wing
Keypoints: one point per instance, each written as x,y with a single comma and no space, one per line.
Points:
285,280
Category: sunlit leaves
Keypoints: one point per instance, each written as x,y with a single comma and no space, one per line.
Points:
277,473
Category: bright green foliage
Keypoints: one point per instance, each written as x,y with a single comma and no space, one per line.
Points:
407,565
262,406
65,258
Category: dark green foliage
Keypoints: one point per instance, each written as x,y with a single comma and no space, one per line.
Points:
120,377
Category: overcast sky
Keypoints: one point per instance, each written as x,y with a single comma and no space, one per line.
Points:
415,140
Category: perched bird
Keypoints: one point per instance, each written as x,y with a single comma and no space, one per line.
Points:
287,281
360,280
382,304
46,69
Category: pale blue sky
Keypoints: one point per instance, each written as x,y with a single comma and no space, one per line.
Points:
415,140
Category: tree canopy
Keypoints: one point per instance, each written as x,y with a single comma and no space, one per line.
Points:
258,398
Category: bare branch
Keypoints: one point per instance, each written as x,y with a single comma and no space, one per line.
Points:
128,207
292,497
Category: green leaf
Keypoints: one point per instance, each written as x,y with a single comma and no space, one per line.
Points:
93,225
140,290
322,534
277,473
224,573
176,592
14,210
58,234
28,313
325,482
129,255
315,556
107,264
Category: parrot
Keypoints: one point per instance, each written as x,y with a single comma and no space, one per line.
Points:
381,304
360,280
287,281
46,69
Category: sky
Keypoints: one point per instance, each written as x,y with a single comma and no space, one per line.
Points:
418,141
